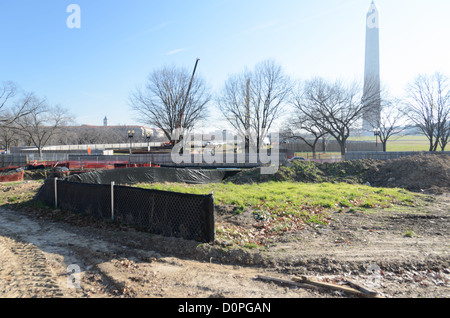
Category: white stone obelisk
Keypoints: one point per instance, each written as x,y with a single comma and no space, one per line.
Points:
372,83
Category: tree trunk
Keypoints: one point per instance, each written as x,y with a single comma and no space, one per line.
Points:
314,146
435,145
324,145
443,143
431,143
247,144
258,144
342,146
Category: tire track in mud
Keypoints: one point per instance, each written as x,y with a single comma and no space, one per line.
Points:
24,271
105,281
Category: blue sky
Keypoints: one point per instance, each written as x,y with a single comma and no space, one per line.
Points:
92,70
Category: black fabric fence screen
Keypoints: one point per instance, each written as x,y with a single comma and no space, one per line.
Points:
150,174
172,214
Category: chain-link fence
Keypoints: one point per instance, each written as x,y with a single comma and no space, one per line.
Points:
180,215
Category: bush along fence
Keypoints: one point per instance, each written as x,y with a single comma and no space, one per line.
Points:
186,216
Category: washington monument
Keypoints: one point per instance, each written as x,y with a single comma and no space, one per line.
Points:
372,85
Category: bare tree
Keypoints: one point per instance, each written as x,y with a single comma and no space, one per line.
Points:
445,136
300,126
13,104
8,91
8,137
390,122
270,89
165,104
253,100
42,123
88,135
428,107
334,106
234,103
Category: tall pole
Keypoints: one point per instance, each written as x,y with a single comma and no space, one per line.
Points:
247,118
130,136
112,200
56,192
187,96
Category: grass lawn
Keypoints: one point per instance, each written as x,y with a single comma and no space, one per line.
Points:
288,206
400,143
293,197
394,144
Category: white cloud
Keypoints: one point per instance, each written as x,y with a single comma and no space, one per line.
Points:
176,51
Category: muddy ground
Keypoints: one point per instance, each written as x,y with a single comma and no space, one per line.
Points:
397,253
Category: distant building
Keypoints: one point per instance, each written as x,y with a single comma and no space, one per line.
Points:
119,133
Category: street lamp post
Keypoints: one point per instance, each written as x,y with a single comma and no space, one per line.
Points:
130,136
148,136
376,133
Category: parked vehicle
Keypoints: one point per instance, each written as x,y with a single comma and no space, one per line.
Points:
296,158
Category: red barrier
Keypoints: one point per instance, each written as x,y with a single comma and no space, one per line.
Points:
82,165
18,176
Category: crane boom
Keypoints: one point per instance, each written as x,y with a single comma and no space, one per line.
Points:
183,108
187,95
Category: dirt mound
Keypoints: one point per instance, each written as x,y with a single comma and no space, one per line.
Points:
423,172
355,171
415,173
307,171
301,171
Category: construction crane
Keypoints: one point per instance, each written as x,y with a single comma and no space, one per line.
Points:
183,108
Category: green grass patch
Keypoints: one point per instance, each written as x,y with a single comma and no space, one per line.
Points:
291,197
18,193
282,207
410,234
400,143
394,144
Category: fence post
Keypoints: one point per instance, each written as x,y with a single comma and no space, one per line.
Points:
56,193
112,200
208,217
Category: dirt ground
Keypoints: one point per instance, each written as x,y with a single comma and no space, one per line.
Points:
397,253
